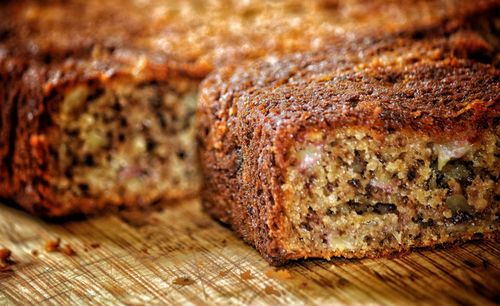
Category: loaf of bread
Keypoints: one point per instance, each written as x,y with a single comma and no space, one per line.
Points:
362,150
97,98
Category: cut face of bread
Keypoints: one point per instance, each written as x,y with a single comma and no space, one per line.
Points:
356,151
358,191
82,145
124,143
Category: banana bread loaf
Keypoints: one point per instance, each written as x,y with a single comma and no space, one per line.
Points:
362,150
98,97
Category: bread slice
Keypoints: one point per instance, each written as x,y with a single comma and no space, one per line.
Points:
359,151
88,139
98,97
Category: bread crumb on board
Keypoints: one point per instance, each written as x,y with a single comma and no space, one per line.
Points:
6,260
222,273
282,274
54,245
5,254
246,275
68,250
270,290
183,281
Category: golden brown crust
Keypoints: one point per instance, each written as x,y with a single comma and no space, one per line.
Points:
195,36
251,115
390,84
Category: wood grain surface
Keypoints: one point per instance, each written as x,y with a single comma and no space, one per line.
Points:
180,256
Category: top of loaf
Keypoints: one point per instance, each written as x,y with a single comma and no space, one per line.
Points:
441,86
192,37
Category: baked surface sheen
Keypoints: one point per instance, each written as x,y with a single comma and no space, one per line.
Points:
364,149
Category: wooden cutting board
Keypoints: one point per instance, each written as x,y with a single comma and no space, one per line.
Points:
180,256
